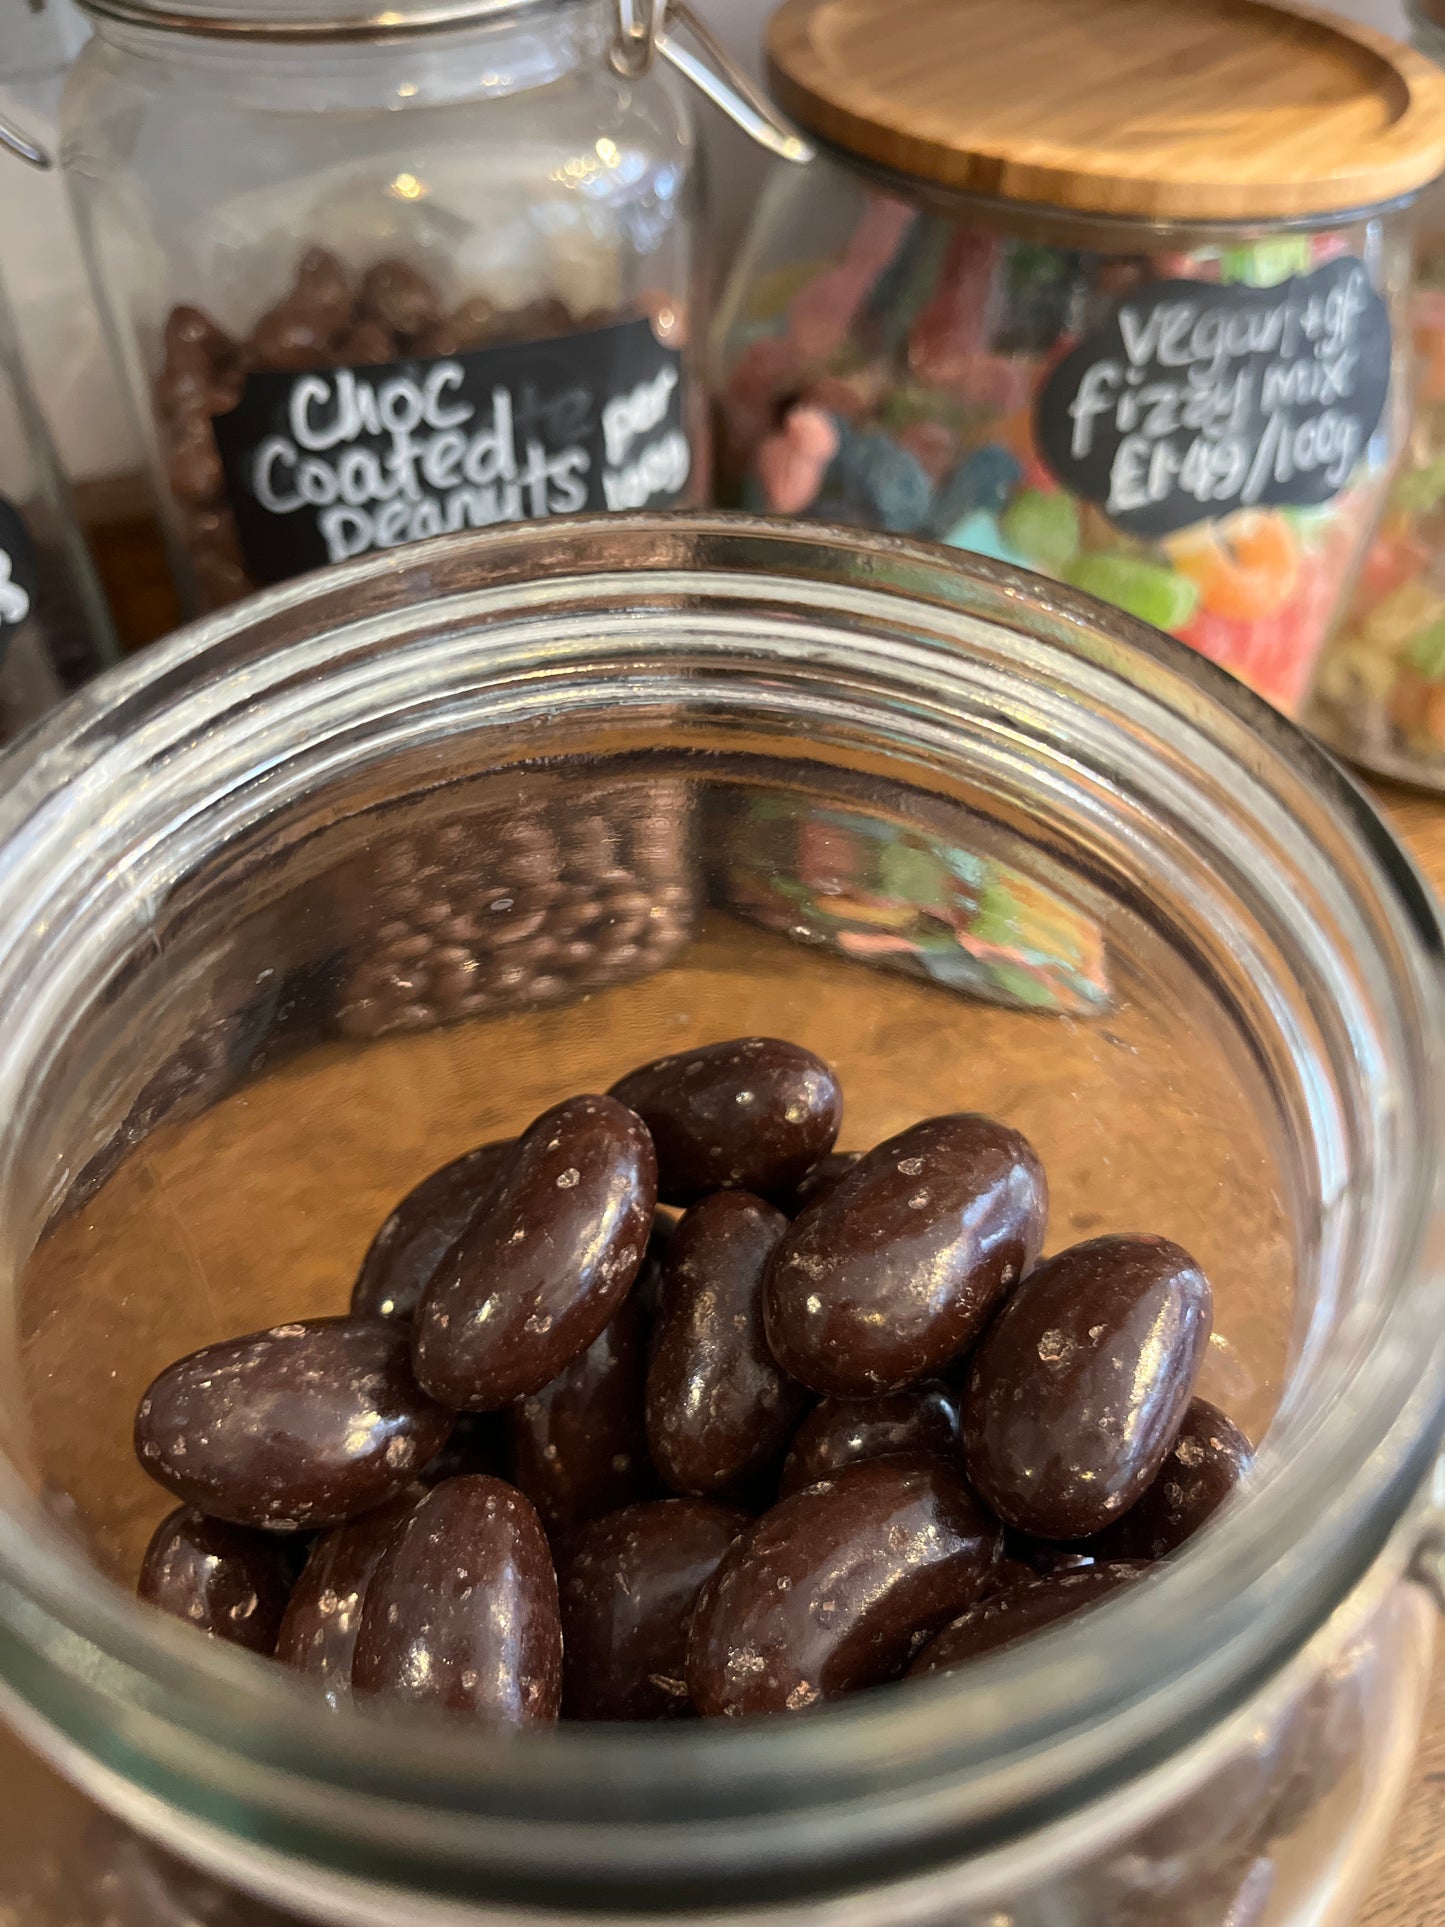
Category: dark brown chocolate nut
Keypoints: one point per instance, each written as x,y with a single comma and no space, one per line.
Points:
718,1409
542,1268
577,1447
222,1579
818,1182
438,340
462,1610
836,1587
367,345
193,463
1209,1458
323,287
896,1270
1025,1609
422,1229
221,579
474,322
188,327
304,1425
539,320
840,1431
1079,1389
292,335
629,1585
318,1634
185,382
753,1115
478,1444
399,297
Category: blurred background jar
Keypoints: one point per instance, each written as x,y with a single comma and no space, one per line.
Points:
372,282
54,629
1380,696
1112,292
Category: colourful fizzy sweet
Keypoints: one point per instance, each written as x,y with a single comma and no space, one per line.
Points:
1195,436
1380,693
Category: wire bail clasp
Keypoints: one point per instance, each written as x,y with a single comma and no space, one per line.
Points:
16,142
646,28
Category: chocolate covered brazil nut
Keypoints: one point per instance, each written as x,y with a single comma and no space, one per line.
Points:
835,1587
304,1425
420,1231
1079,1389
577,1447
228,1581
1206,1463
323,1616
841,1431
461,1611
896,1270
751,1114
1020,1610
539,1271
719,1409
629,1584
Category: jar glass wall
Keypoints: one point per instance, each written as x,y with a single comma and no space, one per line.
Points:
365,291
54,628
1380,695
1125,907
900,359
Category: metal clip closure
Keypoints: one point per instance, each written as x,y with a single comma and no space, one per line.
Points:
16,142
646,28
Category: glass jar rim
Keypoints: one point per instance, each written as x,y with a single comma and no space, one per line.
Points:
906,1777
313,20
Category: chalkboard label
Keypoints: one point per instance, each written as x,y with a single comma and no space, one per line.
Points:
337,462
17,571
1195,399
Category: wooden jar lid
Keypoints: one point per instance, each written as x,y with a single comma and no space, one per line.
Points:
1179,110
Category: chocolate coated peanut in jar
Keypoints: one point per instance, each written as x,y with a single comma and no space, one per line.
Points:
281,443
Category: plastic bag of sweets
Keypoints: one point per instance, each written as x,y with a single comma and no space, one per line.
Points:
1146,340
1380,693
376,276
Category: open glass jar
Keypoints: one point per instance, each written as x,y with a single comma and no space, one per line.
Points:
1114,292
379,274
1181,953
54,628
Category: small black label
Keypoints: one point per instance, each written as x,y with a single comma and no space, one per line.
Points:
337,462
1194,399
17,571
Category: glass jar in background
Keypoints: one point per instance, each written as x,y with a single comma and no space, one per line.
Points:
376,277
54,628
1143,337
1191,965
1380,694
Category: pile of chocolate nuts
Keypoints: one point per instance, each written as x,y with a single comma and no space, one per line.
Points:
570,1454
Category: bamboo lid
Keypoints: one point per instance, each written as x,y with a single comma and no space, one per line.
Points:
1183,110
